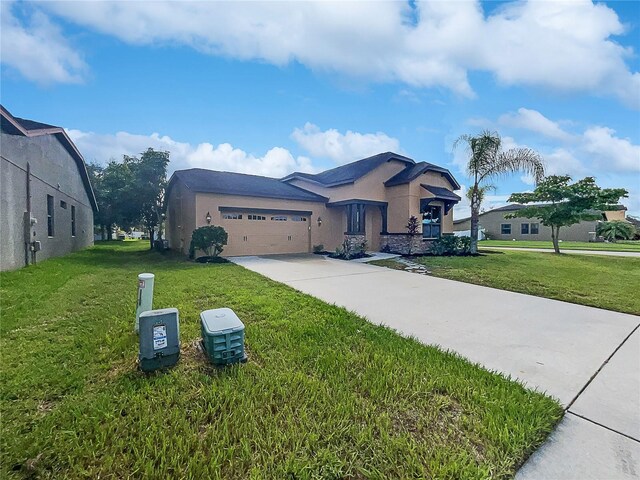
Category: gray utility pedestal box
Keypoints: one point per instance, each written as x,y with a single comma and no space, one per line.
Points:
159,339
222,336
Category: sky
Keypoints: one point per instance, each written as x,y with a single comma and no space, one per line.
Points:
273,87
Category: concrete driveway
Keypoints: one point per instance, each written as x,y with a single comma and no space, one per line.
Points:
586,357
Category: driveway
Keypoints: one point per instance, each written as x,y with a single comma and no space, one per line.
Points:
586,357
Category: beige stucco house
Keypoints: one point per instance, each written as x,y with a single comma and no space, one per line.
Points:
368,200
497,227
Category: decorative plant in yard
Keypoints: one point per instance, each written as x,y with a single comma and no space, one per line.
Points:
449,245
566,203
210,239
350,250
413,228
488,162
615,230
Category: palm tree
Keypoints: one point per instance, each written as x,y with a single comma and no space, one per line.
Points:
615,230
488,162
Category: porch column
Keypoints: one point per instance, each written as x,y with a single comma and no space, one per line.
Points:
383,212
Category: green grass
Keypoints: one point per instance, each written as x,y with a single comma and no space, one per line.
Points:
594,280
324,394
621,246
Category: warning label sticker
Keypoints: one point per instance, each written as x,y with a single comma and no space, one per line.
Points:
159,337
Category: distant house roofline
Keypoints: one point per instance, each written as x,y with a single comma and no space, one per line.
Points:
31,128
517,206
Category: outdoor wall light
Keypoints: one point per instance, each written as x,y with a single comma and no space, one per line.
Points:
319,221
208,218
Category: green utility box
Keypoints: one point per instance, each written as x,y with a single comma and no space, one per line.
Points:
222,336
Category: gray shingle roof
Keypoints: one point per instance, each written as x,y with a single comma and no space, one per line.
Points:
229,183
350,172
441,192
413,171
33,125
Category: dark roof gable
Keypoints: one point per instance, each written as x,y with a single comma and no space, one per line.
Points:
30,128
229,183
413,171
350,172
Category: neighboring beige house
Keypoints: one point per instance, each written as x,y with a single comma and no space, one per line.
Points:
368,200
497,227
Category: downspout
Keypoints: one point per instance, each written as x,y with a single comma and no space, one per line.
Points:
27,219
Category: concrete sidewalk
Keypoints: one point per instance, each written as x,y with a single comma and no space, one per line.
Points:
574,252
553,346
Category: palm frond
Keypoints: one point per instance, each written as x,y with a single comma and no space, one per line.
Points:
515,160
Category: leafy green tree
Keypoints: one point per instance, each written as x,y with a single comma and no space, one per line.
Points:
564,204
149,185
488,162
615,230
114,189
210,239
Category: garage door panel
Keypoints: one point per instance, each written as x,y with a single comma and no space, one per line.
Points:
263,237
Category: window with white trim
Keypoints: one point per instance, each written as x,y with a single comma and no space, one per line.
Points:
256,217
279,218
298,218
232,216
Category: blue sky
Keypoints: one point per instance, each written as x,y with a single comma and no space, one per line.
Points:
269,88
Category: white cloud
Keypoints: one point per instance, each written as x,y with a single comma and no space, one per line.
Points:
595,149
563,46
536,122
37,50
343,147
100,148
611,152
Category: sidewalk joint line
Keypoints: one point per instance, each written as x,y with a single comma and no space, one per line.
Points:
604,426
600,369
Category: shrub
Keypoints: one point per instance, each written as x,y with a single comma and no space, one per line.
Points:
209,239
318,248
449,245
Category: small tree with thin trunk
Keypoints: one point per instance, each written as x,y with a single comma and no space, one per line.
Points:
563,204
487,162
413,228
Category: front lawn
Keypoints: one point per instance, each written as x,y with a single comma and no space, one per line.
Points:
324,394
594,280
621,246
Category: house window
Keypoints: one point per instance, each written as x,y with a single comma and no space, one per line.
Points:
431,221
279,218
505,229
50,216
535,228
73,221
298,218
256,217
524,229
232,216
63,204
355,218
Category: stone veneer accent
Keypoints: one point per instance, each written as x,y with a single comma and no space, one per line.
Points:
355,240
399,243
